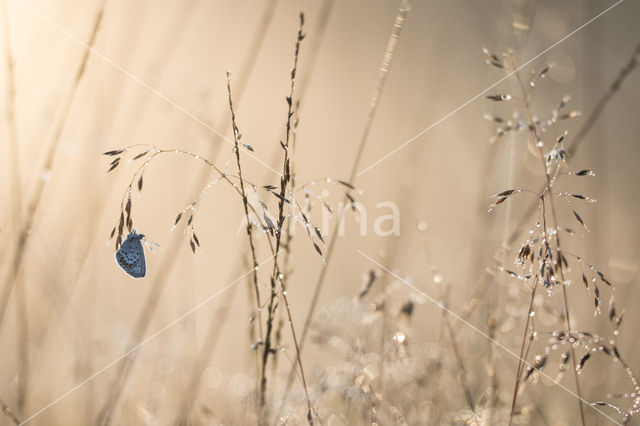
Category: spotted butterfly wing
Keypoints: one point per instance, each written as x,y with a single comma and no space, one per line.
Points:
130,256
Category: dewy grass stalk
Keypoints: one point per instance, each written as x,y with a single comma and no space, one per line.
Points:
549,193
277,277
382,77
245,204
22,330
542,259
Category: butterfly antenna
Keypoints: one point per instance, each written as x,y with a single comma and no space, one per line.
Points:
152,245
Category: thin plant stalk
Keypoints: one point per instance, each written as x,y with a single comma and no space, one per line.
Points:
606,97
549,195
316,40
245,204
16,201
524,349
522,352
276,276
494,384
12,133
23,225
445,326
528,328
34,202
463,372
9,413
382,77
236,148
290,224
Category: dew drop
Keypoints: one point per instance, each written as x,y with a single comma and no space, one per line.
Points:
399,337
46,175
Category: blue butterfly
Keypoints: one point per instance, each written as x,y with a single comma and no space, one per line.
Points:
130,256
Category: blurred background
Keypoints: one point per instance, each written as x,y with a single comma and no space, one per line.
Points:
155,75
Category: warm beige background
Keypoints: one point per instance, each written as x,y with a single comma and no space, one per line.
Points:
82,308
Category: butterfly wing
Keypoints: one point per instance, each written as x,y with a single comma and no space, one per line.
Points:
130,257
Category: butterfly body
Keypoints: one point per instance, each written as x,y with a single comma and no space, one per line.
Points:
130,256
